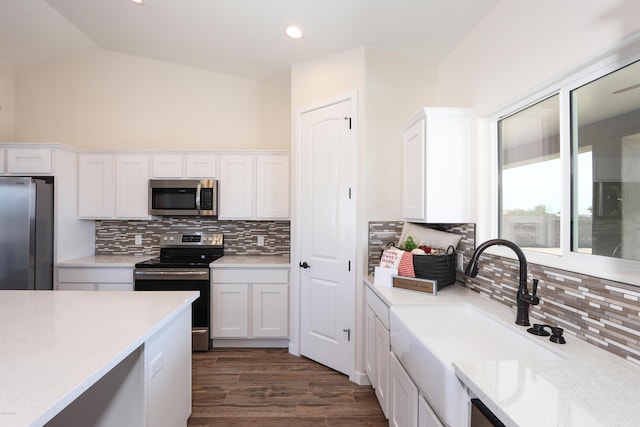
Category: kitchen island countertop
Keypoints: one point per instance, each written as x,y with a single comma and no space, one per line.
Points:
56,345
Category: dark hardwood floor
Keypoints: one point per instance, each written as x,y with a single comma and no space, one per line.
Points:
270,387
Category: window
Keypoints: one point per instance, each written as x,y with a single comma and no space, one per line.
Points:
569,171
605,135
530,177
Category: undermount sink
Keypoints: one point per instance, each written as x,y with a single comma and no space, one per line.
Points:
427,339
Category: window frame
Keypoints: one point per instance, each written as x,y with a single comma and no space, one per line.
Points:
627,271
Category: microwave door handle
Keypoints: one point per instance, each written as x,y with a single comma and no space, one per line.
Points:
198,191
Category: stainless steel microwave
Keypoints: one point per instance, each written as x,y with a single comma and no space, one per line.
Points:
183,197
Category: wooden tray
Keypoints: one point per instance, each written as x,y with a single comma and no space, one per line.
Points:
413,284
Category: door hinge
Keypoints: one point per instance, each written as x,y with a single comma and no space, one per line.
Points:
349,193
348,332
348,118
349,265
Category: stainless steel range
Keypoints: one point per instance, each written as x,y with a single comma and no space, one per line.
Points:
183,265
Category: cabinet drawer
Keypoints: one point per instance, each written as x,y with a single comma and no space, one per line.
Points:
95,275
378,306
250,275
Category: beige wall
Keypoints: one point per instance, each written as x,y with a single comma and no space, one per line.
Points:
7,102
112,100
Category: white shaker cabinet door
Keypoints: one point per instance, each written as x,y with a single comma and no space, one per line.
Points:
270,310
403,403
167,165
413,172
272,186
236,186
95,186
201,165
435,180
229,310
132,186
370,346
382,350
29,160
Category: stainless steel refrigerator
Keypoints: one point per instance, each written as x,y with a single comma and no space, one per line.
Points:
26,233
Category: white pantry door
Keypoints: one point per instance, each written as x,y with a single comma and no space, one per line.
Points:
327,236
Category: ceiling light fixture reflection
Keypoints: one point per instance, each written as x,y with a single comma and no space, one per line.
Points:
293,32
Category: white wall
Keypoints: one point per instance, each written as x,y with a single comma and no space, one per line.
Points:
520,46
517,49
112,100
7,102
395,89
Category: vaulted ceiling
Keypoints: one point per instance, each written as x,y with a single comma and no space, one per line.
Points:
244,38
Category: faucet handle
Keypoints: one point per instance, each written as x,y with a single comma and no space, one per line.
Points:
556,336
534,291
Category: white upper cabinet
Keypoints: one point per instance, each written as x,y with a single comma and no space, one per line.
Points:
272,186
29,161
435,170
167,166
254,186
236,189
95,186
1,160
132,186
113,186
200,165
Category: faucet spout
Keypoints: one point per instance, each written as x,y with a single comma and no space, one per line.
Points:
523,298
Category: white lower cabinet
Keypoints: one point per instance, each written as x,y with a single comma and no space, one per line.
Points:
397,394
377,348
249,303
229,310
94,279
403,397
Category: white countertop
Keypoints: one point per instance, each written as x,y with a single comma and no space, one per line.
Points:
55,345
107,261
258,261
590,387
119,261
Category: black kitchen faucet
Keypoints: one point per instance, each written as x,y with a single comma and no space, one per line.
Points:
523,298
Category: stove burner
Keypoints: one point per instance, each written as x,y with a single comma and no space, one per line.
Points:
186,251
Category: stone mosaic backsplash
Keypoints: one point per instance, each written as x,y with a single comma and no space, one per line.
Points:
602,312
240,237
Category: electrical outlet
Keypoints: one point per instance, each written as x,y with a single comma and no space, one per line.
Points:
459,261
260,241
156,365
138,239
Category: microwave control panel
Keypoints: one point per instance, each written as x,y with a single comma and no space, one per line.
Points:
206,199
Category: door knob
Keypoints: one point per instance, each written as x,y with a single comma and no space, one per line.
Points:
304,265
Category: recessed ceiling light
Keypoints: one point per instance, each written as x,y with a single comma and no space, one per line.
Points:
293,32
138,1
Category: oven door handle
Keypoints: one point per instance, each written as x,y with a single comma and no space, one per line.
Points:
171,275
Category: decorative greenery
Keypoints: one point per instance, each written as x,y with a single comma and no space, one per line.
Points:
409,244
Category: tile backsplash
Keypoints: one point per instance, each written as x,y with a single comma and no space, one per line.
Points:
602,312
240,237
